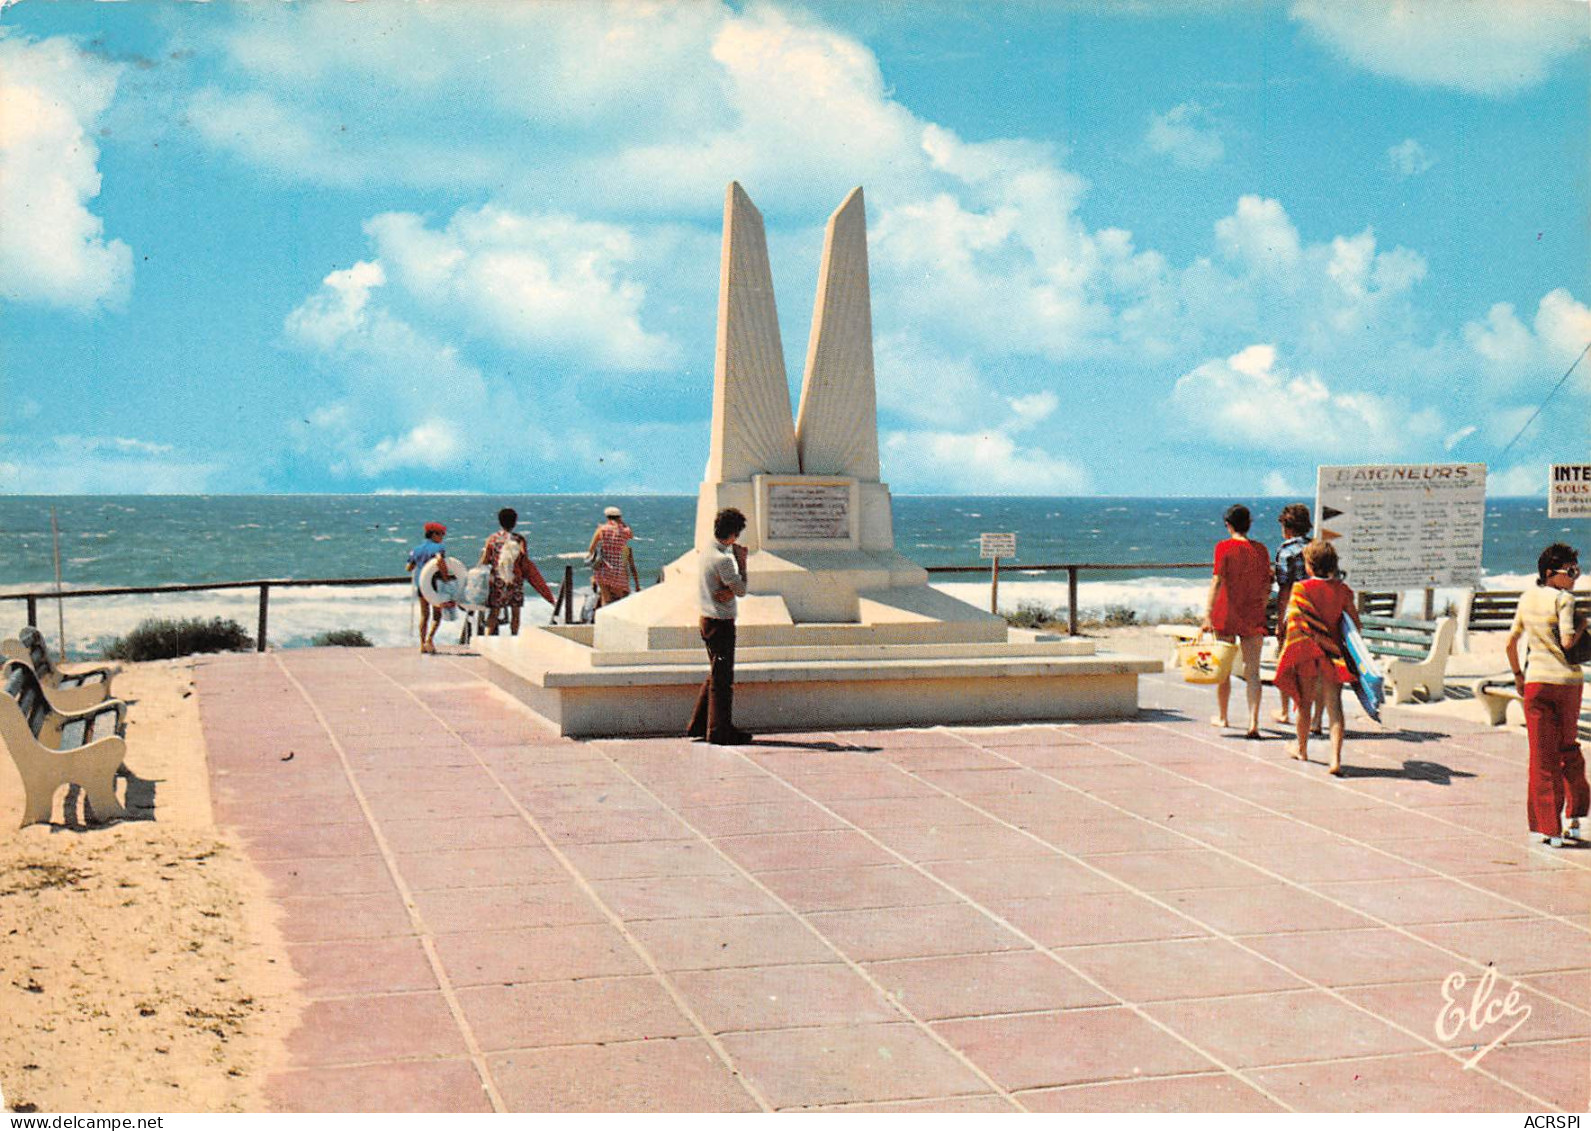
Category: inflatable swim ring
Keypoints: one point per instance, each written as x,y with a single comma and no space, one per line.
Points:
438,592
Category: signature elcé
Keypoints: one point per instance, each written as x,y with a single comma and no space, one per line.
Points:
1482,1010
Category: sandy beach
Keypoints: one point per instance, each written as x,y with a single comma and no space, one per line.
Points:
142,970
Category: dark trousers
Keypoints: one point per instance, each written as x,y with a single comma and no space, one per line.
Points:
715,705
1557,768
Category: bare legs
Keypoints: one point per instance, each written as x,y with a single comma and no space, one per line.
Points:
1325,694
1249,646
430,621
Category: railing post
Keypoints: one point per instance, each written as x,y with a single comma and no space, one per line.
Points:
264,601
994,588
33,611
1071,600
568,594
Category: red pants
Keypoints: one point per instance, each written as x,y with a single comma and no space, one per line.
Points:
1557,769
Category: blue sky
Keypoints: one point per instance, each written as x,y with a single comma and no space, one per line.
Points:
1153,248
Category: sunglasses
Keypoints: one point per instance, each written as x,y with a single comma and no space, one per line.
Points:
1572,571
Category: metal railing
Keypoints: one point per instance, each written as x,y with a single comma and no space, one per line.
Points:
1071,569
264,585
565,596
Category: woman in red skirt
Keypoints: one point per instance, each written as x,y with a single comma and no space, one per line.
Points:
1552,688
1235,609
1312,667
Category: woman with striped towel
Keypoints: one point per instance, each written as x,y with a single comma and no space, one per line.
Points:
1313,664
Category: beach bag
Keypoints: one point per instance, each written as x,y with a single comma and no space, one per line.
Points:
1206,659
1580,655
508,558
478,585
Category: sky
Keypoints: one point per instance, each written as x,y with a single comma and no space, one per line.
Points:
1152,248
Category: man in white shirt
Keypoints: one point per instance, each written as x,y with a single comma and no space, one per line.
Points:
723,579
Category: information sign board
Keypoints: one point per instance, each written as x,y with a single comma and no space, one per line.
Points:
1404,526
1569,490
997,545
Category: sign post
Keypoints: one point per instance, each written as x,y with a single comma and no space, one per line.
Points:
996,546
1404,526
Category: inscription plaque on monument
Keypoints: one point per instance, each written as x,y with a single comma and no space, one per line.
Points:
808,512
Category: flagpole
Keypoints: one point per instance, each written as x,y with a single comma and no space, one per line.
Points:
60,604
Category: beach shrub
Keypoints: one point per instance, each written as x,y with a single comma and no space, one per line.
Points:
1120,616
160,638
342,638
1032,614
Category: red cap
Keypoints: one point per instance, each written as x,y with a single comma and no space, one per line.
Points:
434,528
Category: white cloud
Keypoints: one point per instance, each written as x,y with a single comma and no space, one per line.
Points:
1186,134
1458,436
987,462
1488,47
1247,400
53,250
1409,158
127,445
69,464
435,444
1276,484
1032,410
1513,353
1518,479
1259,235
547,283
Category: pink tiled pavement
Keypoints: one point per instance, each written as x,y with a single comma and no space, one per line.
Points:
1114,916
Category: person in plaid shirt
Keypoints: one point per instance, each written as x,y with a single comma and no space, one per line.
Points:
1289,569
610,564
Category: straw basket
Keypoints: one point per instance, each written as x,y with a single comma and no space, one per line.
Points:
1206,660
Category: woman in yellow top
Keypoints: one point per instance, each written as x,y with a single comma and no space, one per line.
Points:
1552,689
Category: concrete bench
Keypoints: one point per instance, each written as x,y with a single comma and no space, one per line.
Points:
52,748
1492,610
1495,692
1414,653
74,690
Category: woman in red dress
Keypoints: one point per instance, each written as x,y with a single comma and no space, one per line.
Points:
1236,609
1313,666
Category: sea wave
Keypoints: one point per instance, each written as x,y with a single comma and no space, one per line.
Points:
386,614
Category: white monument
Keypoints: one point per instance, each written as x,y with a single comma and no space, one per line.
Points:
837,628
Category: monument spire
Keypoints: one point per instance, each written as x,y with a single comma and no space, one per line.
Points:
837,429
752,432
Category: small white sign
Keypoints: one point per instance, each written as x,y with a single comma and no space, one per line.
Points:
1569,490
1402,526
997,545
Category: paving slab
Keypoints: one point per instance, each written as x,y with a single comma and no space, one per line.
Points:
1149,915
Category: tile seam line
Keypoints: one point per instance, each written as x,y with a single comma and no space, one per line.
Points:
614,921
1432,872
1236,940
1174,910
1456,742
802,917
1136,817
444,983
1121,1001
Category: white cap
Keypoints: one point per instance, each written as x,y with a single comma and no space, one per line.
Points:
611,512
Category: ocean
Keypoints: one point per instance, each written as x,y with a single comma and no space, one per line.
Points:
156,540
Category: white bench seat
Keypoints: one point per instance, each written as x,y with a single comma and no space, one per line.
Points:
52,748
67,690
